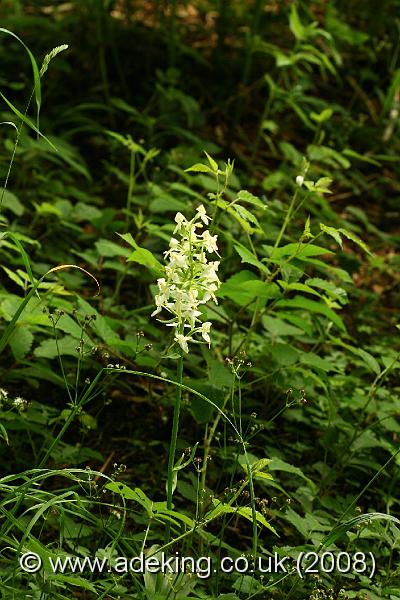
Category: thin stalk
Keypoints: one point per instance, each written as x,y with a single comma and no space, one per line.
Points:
285,223
209,436
174,432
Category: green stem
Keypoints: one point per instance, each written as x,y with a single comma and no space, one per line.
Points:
174,433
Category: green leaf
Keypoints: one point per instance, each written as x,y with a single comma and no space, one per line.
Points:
299,251
277,464
243,287
110,249
36,75
314,307
221,509
21,341
246,196
368,359
322,116
199,168
364,519
9,201
284,354
136,494
248,257
354,238
332,232
213,163
26,120
279,328
312,359
144,257
295,24
299,287
363,157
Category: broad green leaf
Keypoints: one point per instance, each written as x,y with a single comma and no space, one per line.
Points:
299,287
332,232
313,307
312,359
298,250
50,349
247,216
21,341
199,168
277,464
144,257
284,354
110,249
10,201
244,287
248,257
279,328
368,359
246,196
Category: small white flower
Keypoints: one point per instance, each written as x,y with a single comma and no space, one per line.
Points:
205,331
201,212
180,220
210,241
299,180
183,340
19,402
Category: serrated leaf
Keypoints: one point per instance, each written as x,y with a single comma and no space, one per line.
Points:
248,257
246,196
334,233
199,168
247,216
354,238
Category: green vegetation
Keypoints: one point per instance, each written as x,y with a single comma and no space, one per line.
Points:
198,279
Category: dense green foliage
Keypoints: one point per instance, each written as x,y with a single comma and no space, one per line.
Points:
272,429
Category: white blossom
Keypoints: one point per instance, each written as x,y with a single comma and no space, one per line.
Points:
205,331
190,279
183,340
299,180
